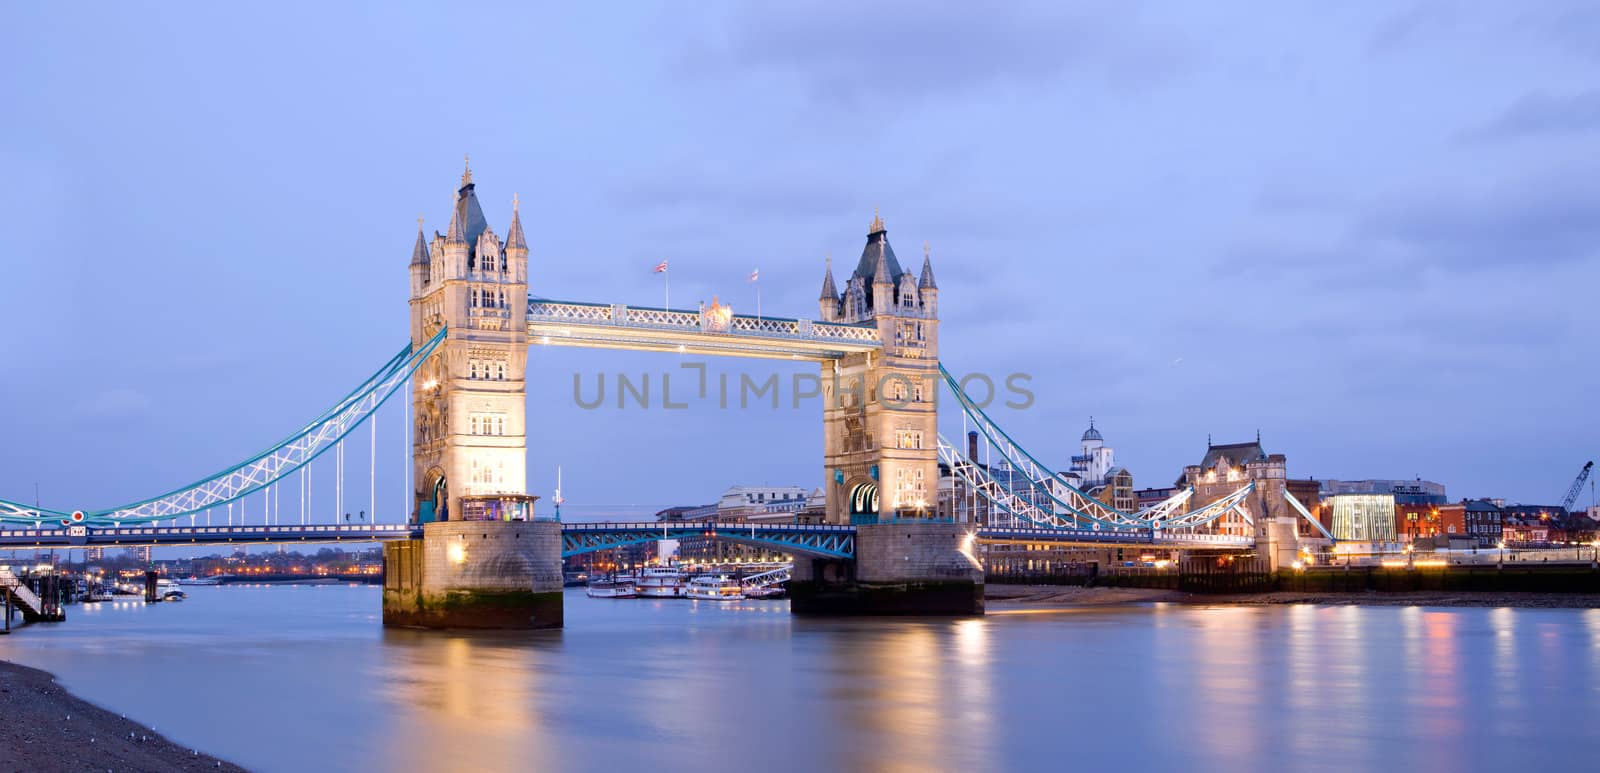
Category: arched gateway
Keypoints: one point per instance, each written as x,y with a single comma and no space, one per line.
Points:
482,561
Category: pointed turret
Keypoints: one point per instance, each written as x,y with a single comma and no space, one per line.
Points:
926,282
419,253
829,291
457,233
828,299
419,269
880,272
514,238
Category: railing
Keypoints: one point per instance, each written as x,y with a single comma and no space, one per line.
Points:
24,596
767,579
692,321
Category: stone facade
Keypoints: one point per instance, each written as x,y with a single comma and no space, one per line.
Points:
470,396
475,574
900,568
880,424
1226,468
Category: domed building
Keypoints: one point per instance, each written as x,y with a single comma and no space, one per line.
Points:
1092,466
1095,472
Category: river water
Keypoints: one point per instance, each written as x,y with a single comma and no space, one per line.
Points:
305,678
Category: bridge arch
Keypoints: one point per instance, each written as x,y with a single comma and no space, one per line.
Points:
863,499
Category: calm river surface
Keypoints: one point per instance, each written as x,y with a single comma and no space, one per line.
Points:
305,678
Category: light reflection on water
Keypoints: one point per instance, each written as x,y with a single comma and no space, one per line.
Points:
295,678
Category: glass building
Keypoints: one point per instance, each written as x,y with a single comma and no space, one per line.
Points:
1363,517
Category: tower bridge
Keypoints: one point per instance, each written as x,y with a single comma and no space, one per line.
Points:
470,551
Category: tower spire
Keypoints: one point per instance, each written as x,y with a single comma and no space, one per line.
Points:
419,252
877,223
457,233
926,281
829,291
514,238
466,170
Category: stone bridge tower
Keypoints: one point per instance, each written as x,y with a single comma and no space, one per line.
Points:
880,453
482,561
470,431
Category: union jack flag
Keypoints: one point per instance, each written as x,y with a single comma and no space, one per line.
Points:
660,267
755,275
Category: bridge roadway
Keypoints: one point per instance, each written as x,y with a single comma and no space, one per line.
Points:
816,540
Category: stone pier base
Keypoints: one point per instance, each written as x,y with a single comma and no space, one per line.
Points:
899,569
475,574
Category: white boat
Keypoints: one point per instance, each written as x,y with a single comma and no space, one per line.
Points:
198,580
610,588
720,588
167,590
660,582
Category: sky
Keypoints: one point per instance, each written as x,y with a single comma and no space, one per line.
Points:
1370,231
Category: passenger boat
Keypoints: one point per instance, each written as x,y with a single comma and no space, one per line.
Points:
660,582
610,588
765,592
715,589
168,590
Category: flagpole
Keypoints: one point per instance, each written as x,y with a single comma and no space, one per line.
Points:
666,274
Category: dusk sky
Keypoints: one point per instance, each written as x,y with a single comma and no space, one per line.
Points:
1370,232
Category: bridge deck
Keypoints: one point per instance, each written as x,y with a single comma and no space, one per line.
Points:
827,540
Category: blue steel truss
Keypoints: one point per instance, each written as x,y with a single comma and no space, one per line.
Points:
818,540
260,470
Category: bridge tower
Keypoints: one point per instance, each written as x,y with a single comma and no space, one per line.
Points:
470,442
482,561
880,451
880,422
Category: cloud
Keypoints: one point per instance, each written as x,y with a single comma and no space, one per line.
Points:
1411,25
1542,220
1543,114
900,51
1545,220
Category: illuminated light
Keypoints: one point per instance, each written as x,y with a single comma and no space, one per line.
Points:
1432,562
456,552
1393,564
1298,566
431,383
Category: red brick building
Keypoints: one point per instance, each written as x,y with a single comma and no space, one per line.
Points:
1421,521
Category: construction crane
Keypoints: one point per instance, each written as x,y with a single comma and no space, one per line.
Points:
1577,487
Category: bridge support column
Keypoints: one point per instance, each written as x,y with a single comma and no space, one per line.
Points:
1280,543
475,574
910,568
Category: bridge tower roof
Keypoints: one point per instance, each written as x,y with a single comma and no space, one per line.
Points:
878,251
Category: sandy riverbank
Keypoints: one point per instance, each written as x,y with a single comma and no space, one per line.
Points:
45,728
1000,597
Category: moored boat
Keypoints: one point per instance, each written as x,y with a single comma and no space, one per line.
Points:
720,588
660,582
610,588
